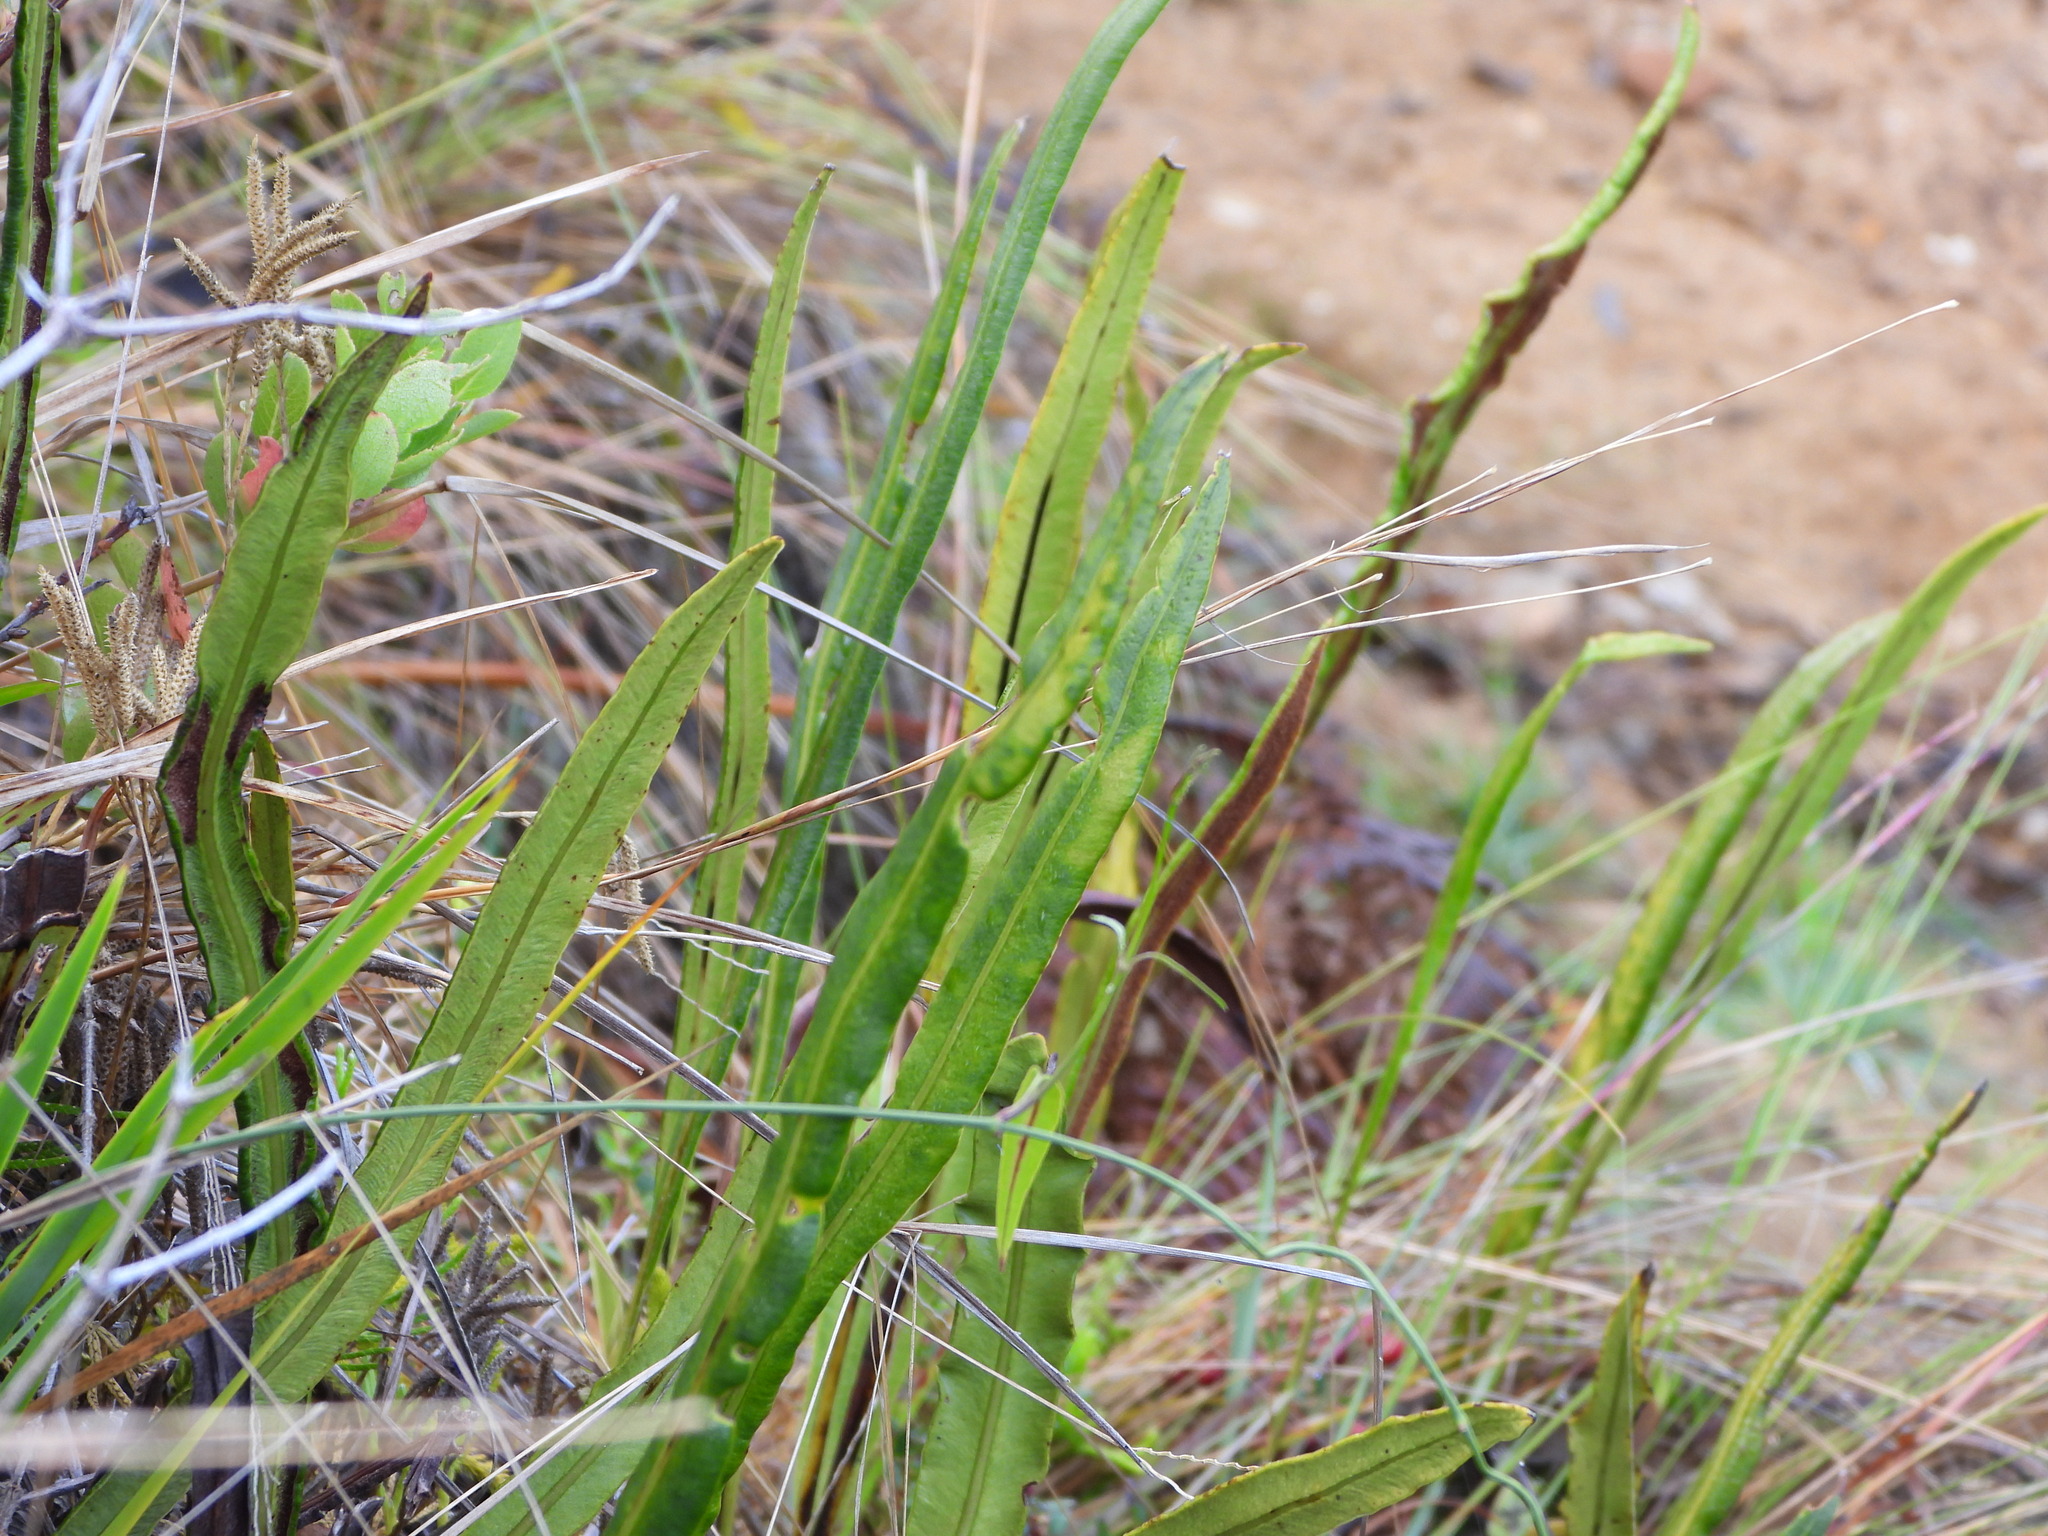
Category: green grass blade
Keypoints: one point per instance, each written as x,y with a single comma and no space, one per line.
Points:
498,987
988,1441
22,1074
261,615
1601,1492
1797,809
249,1036
1038,530
1683,882
1717,1487
1803,803
1356,1477
1682,885
1463,877
25,238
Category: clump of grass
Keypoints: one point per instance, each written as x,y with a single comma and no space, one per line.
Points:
629,994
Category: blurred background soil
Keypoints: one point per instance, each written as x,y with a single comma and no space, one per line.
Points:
1362,171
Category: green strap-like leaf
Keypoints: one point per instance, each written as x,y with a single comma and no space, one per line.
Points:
1194,448
824,734
884,947
248,1036
710,981
1463,877
1600,1498
1674,900
1717,1487
743,741
1807,798
1062,660
261,614
1038,530
1796,810
25,238
1437,420
1683,881
1309,1495
122,1502
839,682
22,1074
1014,923
989,1439
499,984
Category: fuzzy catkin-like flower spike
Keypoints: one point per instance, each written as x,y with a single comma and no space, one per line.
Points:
625,857
278,247
95,668
114,675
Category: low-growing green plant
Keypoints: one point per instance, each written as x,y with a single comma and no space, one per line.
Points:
853,1111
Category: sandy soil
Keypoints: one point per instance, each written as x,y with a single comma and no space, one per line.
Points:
1363,170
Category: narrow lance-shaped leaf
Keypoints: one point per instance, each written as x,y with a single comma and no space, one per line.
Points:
709,980
1013,925
1807,799
121,1502
824,735
576,1483
1063,658
883,949
1674,900
743,742
989,1439
839,680
25,238
1038,530
262,613
1463,876
1513,315
1683,881
1194,449
1796,809
1179,880
1358,1476
1717,1487
237,886
1600,1497
22,1074
247,1035
499,984
1042,1104
1015,921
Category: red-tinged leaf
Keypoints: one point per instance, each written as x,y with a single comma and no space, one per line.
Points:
387,529
177,612
269,454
